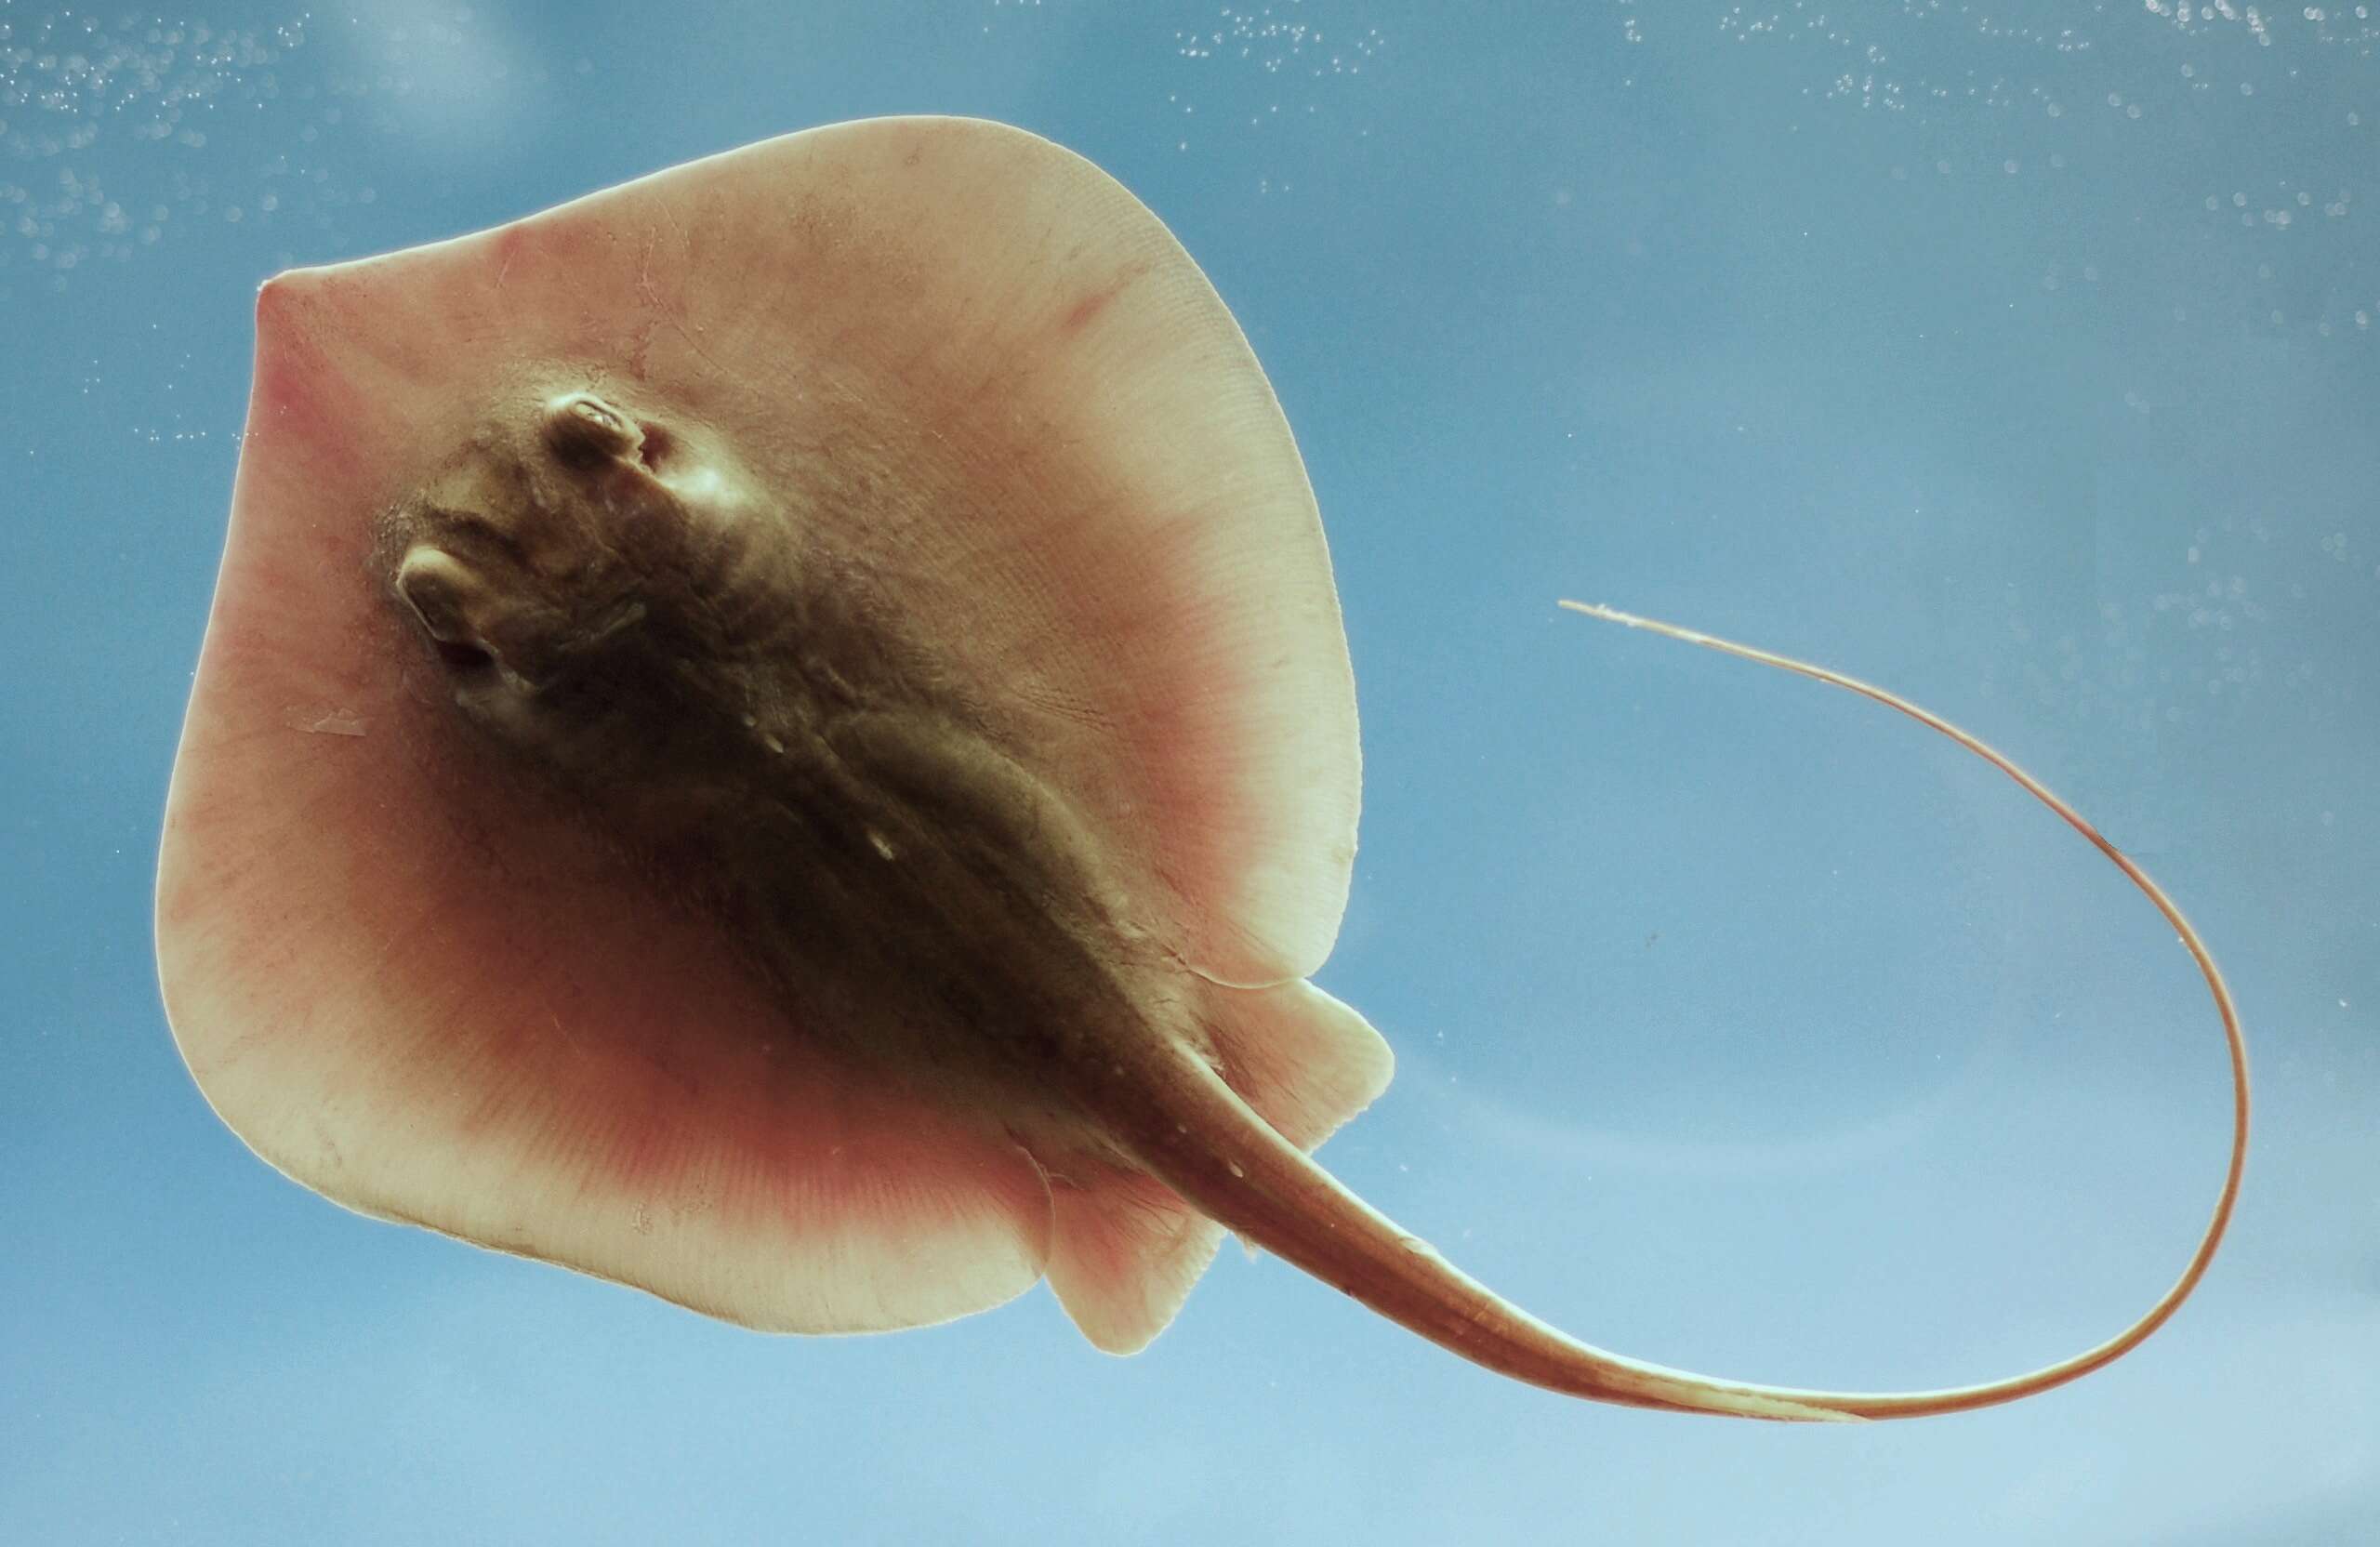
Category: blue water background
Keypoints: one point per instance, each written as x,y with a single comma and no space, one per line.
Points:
2020,357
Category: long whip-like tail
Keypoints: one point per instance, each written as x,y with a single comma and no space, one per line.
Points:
1197,1134
1961,1398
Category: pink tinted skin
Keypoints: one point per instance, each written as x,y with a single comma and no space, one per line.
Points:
622,620
416,971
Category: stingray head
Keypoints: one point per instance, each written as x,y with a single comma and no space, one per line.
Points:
575,575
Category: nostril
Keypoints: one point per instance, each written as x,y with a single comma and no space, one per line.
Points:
582,429
435,587
427,582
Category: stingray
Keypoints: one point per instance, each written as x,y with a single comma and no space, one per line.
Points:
780,734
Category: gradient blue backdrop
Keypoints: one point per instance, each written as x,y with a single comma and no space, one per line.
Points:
2020,357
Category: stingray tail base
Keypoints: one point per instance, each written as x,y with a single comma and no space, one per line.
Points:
1209,1146
1244,1174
